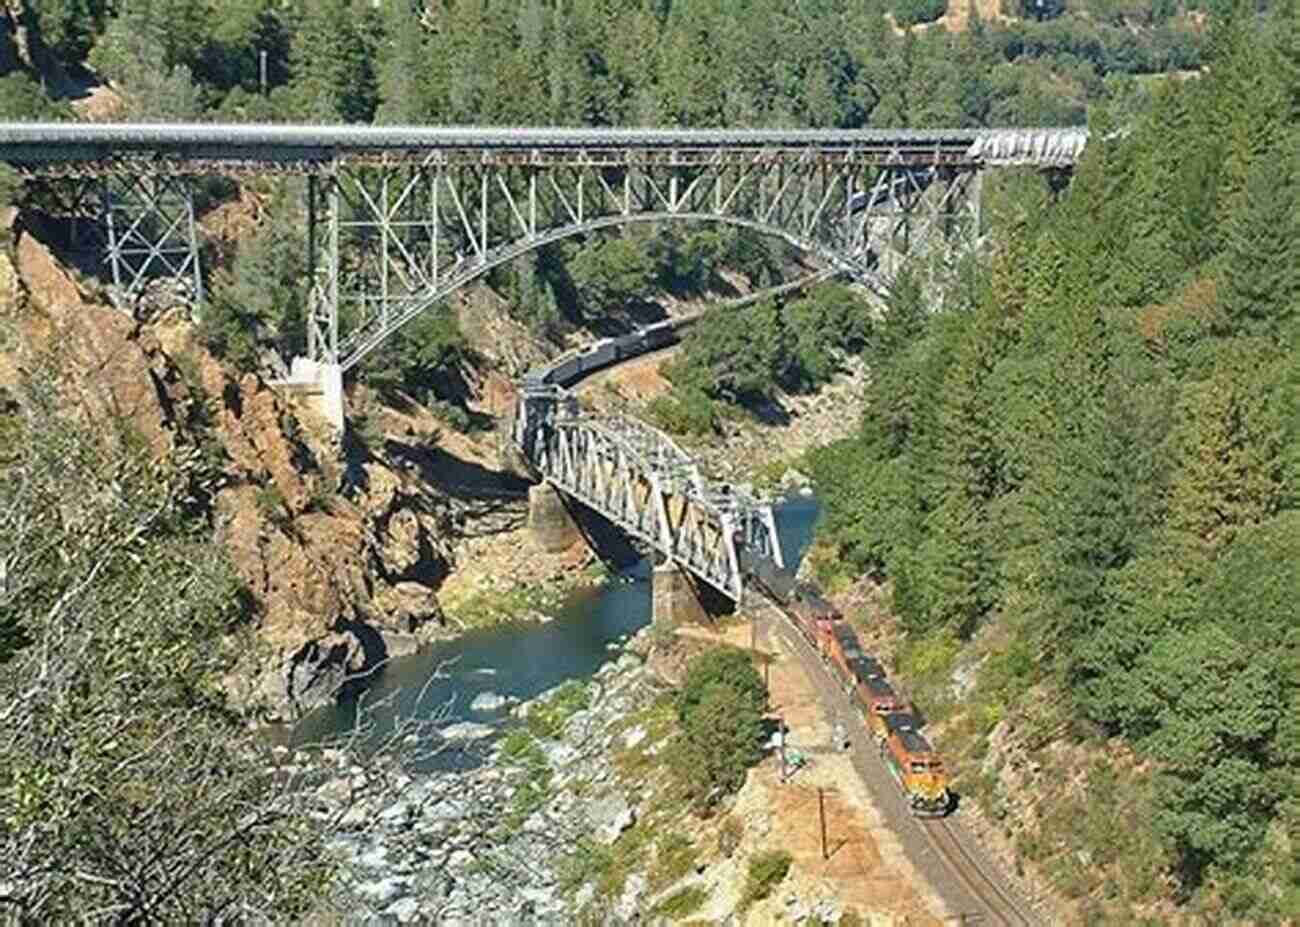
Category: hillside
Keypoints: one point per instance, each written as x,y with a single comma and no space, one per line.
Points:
1069,515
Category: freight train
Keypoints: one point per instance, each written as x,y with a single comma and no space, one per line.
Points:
569,368
906,753
903,748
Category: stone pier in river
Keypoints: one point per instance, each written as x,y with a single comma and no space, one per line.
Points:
552,526
675,598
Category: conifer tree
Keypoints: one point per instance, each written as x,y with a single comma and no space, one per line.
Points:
403,54
1228,442
1261,256
332,61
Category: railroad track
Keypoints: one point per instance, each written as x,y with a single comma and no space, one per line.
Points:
968,880
953,843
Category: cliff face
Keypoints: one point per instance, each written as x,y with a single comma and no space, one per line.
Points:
341,553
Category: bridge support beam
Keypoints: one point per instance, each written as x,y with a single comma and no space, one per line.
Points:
549,521
674,599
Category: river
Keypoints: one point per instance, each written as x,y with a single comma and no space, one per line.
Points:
522,659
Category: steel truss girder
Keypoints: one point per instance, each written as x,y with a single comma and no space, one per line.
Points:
139,226
640,480
391,239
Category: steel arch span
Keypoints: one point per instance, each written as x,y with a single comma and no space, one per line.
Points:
390,241
398,217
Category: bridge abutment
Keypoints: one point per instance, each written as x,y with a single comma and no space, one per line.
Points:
552,527
321,385
674,598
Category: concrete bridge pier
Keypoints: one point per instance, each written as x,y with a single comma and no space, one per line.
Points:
674,598
321,384
552,527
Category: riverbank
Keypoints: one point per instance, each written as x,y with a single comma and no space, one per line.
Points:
566,813
508,577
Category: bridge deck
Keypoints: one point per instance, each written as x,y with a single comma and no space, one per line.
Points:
45,146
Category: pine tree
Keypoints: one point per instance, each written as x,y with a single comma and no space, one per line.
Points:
1260,284
1228,443
402,55
332,61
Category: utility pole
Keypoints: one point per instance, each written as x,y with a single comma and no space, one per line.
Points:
262,70
821,814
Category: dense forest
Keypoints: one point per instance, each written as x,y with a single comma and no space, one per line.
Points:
1098,455
603,62
1094,451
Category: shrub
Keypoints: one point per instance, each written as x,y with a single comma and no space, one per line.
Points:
681,903
533,788
721,666
689,413
674,860
272,506
718,744
766,870
450,414
548,718
729,835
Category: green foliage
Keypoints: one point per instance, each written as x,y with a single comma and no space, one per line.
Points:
260,298
547,719
720,707
689,412
532,784
609,272
675,858
829,319
422,360
720,666
911,12
732,355
332,61
148,48
1097,451
270,502
23,99
230,334
766,871
123,757
681,903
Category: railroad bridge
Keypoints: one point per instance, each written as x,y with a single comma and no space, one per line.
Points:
399,218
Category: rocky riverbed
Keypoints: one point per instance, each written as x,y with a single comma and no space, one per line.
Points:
487,844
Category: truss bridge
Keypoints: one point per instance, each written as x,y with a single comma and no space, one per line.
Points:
642,482
398,218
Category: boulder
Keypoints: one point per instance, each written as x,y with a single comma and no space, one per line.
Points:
634,736
404,911
609,816
467,730
488,702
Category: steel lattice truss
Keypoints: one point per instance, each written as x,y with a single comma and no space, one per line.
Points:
390,241
635,476
136,226
399,217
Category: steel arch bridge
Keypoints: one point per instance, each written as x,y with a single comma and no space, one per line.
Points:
638,478
398,218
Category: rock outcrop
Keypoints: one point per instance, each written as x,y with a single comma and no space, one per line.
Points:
340,553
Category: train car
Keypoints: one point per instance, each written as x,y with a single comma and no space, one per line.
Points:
599,354
879,701
565,371
779,583
816,616
626,346
915,766
839,646
659,335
